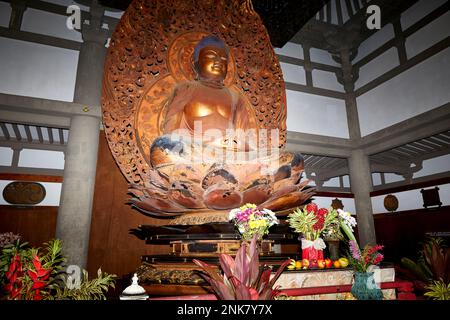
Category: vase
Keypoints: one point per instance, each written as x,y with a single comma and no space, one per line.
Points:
365,288
312,251
333,249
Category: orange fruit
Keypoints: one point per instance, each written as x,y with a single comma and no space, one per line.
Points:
298,264
336,264
321,263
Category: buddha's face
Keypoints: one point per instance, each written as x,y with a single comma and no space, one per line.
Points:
212,63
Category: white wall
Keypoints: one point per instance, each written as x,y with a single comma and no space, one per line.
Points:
67,3
433,166
315,114
325,202
429,35
291,49
47,23
5,12
411,200
377,67
6,155
326,80
374,42
35,70
418,11
293,73
41,159
322,56
417,90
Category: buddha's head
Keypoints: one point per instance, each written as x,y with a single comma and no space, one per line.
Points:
211,59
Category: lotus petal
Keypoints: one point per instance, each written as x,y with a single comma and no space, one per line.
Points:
287,201
257,194
220,197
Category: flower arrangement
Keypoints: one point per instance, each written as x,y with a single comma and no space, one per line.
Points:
250,221
312,221
359,259
242,278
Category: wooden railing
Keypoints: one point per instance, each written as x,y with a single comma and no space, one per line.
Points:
404,290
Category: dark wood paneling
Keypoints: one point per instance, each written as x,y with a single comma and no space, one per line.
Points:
111,246
30,177
402,232
412,186
35,224
334,194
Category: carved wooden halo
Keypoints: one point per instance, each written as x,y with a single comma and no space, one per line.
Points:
139,73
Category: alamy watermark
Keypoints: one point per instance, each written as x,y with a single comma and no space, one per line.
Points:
230,146
73,280
373,21
74,19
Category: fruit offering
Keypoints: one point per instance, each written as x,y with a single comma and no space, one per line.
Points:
291,266
344,262
305,263
321,264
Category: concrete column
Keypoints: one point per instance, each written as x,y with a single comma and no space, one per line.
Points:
348,81
75,210
88,86
361,185
74,214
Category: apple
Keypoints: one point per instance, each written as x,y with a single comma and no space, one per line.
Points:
328,263
305,263
344,262
321,263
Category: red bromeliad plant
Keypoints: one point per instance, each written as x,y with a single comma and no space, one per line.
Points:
31,275
14,278
243,278
39,277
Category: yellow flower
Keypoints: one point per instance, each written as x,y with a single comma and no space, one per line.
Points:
248,205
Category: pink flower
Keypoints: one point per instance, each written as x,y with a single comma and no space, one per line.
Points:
354,250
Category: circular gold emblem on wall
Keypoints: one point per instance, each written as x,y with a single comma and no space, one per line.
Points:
24,193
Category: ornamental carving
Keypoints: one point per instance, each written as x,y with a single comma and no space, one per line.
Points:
149,54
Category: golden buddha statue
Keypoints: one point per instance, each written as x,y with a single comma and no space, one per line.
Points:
190,175
207,104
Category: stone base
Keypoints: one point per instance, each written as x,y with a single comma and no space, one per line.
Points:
331,277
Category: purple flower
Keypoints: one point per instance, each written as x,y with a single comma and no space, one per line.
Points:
354,250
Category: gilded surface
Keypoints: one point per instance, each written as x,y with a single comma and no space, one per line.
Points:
150,53
153,274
